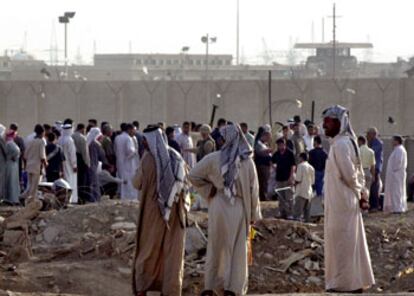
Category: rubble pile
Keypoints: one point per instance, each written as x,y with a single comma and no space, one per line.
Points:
88,250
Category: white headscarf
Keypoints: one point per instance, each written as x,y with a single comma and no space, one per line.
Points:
342,114
267,128
59,125
235,149
93,135
171,171
2,131
66,134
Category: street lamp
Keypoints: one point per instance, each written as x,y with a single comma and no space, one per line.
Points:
184,50
207,40
65,20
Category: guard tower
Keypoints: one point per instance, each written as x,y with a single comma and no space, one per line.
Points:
332,56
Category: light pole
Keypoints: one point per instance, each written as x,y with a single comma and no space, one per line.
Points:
184,50
208,40
65,20
238,33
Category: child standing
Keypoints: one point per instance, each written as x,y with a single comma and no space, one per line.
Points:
305,178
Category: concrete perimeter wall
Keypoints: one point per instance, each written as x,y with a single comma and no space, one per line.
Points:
371,101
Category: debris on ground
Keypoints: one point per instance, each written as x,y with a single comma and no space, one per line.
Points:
89,249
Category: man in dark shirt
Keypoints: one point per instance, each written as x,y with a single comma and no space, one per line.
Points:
216,133
140,139
55,158
317,159
285,168
171,139
376,144
286,136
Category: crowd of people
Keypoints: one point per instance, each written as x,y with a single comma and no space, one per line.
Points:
294,170
229,168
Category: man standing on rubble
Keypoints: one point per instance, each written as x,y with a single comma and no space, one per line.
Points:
35,157
3,159
162,181
347,260
395,199
375,201
228,179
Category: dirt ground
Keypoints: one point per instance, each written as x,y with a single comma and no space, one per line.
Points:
87,250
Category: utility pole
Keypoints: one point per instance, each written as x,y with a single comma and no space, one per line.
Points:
238,34
334,40
334,17
66,44
323,30
313,32
270,96
65,21
208,40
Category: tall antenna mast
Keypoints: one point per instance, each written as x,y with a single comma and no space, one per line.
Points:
334,16
313,32
53,51
323,30
238,33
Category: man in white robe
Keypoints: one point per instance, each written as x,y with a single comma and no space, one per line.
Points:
395,198
347,260
186,143
70,166
3,159
126,152
228,180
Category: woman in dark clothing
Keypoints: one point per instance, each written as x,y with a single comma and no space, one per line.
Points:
96,154
55,158
263,160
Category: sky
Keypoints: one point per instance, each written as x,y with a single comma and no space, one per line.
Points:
165,26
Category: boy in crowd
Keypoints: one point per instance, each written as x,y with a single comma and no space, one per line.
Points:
304,180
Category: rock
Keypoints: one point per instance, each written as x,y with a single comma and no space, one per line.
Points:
314,280
31,211
299,241
119,218
50,234
389,267
124,271
311,265
284,265
308,264
42,223
268,256
407,244
293,280
123,225
195,240
406,255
